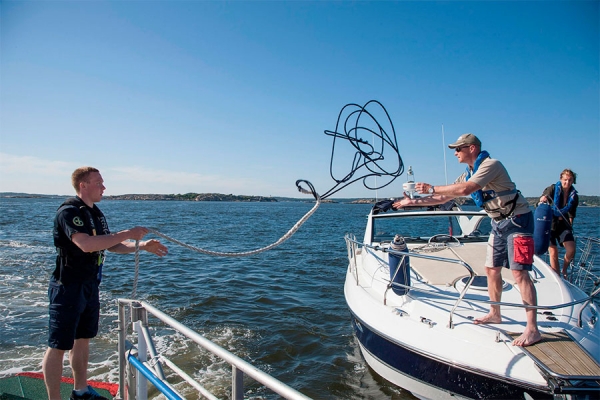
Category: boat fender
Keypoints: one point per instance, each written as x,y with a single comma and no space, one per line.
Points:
399,266
542,225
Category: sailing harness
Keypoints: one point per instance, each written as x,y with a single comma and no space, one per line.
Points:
481,197
93,260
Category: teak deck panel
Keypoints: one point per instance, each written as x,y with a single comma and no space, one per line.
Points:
560,355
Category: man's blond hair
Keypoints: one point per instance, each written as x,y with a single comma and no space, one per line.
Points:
81,174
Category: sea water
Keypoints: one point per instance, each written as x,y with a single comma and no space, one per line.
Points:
282,310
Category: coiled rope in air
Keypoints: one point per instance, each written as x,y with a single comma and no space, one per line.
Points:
368,139
368,156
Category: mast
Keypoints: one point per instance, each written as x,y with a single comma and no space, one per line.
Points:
444,151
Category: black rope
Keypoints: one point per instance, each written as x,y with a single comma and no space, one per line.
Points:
311,188
360,126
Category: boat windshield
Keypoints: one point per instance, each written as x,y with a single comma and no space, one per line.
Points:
421,228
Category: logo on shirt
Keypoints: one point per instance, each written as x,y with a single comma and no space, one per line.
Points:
77,221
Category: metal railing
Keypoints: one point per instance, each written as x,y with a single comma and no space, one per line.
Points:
152,371
351,242
581,272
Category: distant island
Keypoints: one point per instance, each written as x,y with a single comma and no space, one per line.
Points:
192,197
584,201
158,197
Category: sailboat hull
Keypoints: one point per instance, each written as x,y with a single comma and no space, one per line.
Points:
424,374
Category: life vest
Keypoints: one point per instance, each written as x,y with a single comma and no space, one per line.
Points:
72,264
481,197
561,212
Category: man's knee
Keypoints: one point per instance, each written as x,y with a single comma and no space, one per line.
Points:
53,352
490,270
494,273
521,276
52,358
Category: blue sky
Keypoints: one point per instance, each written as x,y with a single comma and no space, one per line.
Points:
234,97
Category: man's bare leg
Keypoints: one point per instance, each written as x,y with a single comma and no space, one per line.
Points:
531,334
494,281
78,358
52,367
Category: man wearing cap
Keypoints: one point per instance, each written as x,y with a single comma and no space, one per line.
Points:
488,183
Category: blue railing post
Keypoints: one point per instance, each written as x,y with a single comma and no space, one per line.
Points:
148,374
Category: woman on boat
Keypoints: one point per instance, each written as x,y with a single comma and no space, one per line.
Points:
564,200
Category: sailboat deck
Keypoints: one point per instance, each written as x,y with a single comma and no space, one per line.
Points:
437,273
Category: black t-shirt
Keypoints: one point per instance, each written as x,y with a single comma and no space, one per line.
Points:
72,264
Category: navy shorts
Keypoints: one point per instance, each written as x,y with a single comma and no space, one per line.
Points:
511,243
74,313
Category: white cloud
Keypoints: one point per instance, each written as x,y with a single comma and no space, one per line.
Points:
11,164
42,176
34,175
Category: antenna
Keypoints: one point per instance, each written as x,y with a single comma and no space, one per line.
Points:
444,150
376,187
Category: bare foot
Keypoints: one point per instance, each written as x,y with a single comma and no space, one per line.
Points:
489,319
528,338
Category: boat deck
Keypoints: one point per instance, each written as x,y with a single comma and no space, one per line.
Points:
560,356
30,386
436,273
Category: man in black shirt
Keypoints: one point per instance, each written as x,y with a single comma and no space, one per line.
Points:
81,236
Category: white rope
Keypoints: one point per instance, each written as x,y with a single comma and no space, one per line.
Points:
137,269
285,237
244,253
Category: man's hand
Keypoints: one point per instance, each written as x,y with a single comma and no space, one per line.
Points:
137,233
422,187
155,247
403,202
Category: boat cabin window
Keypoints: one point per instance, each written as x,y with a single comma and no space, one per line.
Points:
419,229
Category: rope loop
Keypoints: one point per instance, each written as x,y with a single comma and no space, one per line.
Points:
310,186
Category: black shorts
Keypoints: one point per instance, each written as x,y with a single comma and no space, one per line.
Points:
74,313
561,236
